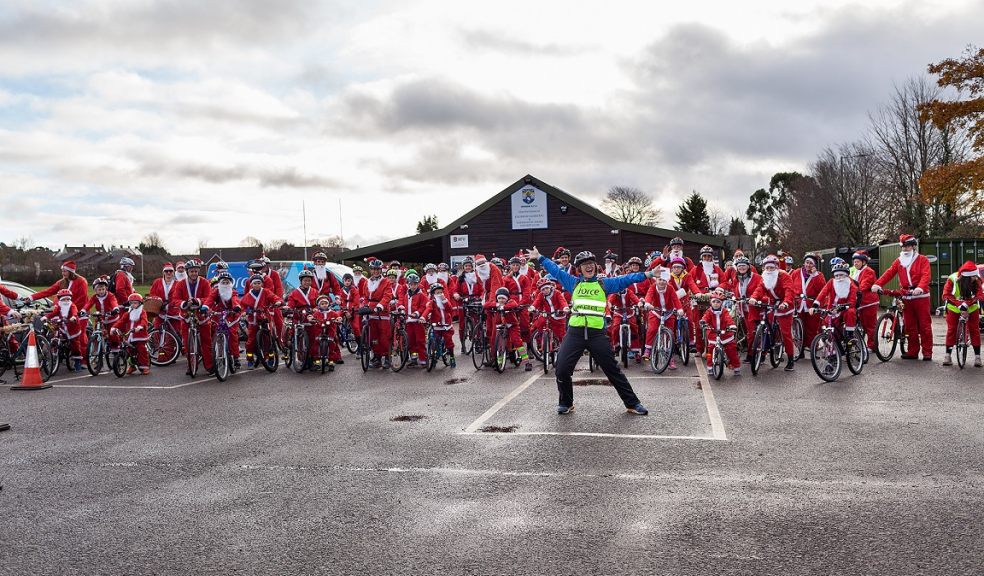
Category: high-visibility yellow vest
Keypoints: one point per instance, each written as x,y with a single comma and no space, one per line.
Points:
956,294
588,305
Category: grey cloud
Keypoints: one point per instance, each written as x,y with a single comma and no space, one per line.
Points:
287,177
503,42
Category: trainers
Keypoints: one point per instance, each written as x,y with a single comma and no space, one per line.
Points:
565,409
331,366
737,371
638,409
977,361
673,365
77,366
422,363
948,359
529,366
375,363
452,363
386,363
249,366
789,365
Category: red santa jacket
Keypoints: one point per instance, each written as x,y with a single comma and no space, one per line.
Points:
469,289
665,262
217,304
640,289
806,287
425,283
865,277
684,286
186,290
828,297
781,293
555,303
79,288
509,316
276,281
350,297
69,323
916,276
255,301
414,304
4,291
519,288
719,320
159,289
328,285
705,283
436,314
492,283
137,329
743,289
620,300
376,293
105,306
301,298
667,300
123,284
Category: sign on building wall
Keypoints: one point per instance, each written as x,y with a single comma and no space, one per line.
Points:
529,208
457,260
459,240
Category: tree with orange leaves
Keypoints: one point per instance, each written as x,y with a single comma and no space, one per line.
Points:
963,179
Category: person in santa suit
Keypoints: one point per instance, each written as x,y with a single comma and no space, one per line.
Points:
914,274
864,276
396,267
179,270
444,274
350,303
731,272
640,289
808,281
187,296
550,299
837,291
438,314
562,256
273,282
506,307
520,290
682,283
413,302
104,302
220,267
224,299
161,288
326,319
397,289
431,277
662,300
358,277
963,294
75,284
65,317
785,261
467,287
611,267
672,251
377,293
302,300
324,280
256,298
526,269
718,318
490,276
743,284
707,275
123,280
777,289
133,324
622,307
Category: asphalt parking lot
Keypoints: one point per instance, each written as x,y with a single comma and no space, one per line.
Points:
465,472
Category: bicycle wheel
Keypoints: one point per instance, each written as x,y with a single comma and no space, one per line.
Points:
364,351
901,338
95,354
662,350
825,357
854,353
467,336
266,350
120,362
797,331
962,343
501,351
546,337
351,342
432,351
220,357
775,351
758,348
298,351
288,346
683,340
717,362
864,339
535,345
478,351
194,346
324,351
741,338
163,347
399,350
885,341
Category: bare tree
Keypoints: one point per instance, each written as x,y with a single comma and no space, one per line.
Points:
330,242
631,205
863,206
251,242
719,222
809,223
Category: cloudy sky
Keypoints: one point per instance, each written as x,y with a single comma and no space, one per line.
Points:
208,121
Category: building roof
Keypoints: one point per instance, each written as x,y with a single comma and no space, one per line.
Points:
359,253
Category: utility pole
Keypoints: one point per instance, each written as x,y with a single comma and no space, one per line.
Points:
304,217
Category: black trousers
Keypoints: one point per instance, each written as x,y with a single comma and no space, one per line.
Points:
575,342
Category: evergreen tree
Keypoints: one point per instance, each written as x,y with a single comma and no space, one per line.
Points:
692,216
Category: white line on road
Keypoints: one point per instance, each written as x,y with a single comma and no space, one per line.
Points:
127,387
498,405
717,426
595,434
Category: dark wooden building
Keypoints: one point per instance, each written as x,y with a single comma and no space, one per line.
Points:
530,213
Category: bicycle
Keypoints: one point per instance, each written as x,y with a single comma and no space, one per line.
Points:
98,348
266,351
500,344
124,359
661,348
365,344
737,308
625,333
193,352
890,331
399,350
436,350
767,339
164,342
797,331
546,342
18,333
324,345
718,356
347,335
481,350
474,320
224,359
60,346
963,339
831,343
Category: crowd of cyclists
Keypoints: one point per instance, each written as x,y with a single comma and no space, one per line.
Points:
500,312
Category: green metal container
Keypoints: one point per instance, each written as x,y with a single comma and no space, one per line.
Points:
946,255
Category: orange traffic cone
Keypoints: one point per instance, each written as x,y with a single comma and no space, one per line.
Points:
32,368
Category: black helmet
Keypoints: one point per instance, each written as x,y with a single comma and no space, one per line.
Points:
224,276
582,257
255,265
305,274
676,241
611,256
435,287
503,291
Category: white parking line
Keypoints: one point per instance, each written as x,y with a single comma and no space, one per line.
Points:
127,387
717,426
595,434
498,405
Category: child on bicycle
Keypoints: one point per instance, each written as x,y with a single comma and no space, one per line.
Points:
223,298
414,303
662,301
133,323
839,290
66,317
550,300
506,307
718,318
963,294
104,302
439,313
621,307
325,317
255,299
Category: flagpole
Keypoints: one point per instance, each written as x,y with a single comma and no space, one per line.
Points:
341,233
304,217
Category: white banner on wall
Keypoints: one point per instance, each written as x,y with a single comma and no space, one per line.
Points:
529,208
457,260
459,240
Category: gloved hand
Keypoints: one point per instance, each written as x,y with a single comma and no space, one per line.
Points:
963,307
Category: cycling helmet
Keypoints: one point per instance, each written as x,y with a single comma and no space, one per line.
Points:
64,293
320,256
543,283
788,259
392,272
124,261
717,294
634,260
582,257
835,261
770,259
435,287
443,267
516,260
561,251
840,267
498,262
861,255
255,265
468,260
394,263
135,297
676,241
811,256
256,278
611,256
322,297
707,250
742,260
224,276
220,265
193,263
550,277
503,291
358,268
429,267
412,277
305,274
678,262
101,280
376,264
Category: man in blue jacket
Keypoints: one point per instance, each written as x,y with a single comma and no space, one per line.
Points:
586,327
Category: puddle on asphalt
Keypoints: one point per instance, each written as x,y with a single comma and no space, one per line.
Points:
452,381
511,428
593,382
407,418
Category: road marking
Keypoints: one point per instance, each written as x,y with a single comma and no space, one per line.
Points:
498,405
717,426
594,434
126,387
631,378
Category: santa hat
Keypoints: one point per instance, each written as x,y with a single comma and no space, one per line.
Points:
180,264
860,255
167,266
907,240
69,265
480,259
969,269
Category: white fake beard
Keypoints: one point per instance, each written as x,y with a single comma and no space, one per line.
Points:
524,269
470,277
842,287
64,308
134,314
441,300
225,292
676,254
443,276
431,277
319,272
906,258
483,271
770,279
180,275
609,267
708,267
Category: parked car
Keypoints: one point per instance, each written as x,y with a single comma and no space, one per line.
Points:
21,291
